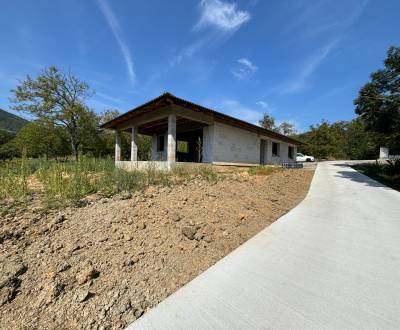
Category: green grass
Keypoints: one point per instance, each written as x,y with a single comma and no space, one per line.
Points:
65,183
388,174
264,170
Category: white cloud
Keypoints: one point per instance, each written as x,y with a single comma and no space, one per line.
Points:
224,19
116,30
221,15
235,109
245,69
299,82
262,104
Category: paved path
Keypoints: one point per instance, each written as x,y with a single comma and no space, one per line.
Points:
333,262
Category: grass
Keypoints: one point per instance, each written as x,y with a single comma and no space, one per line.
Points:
388,174
264,170
65,183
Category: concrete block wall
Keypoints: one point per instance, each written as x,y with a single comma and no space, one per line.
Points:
208,138
235,145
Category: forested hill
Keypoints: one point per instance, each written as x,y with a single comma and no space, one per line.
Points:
10,122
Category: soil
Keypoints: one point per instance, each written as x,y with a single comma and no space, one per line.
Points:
104,264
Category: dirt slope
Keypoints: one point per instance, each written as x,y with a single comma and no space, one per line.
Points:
103,265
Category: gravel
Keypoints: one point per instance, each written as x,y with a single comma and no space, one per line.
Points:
106,263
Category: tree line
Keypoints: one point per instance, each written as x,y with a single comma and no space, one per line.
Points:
377,124
64,125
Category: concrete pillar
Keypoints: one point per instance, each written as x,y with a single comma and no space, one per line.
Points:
134,144
154,147
171,144
117,145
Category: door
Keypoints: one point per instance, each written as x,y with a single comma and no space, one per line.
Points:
262,152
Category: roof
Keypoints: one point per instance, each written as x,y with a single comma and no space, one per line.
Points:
169,99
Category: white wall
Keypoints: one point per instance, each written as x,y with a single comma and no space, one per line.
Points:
235,145
283,153
208,138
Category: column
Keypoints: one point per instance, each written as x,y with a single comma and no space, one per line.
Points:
117,145
171,144
134,144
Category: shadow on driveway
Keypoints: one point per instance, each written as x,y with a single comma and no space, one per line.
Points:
359,177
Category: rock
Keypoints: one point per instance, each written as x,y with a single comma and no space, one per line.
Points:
131,261
9,279
82,295
189,232
60,218
138,312
123,196
242,216
198,236
141,226
175,216
87,274
102,239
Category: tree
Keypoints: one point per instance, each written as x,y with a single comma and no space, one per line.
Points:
42,139
268,122
378,101
286,128
55,97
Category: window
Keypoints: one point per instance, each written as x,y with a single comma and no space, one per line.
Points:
160,143
290,152
275,149
183,147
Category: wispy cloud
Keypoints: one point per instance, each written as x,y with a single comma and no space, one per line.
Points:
244,69
113,23
315,18
221,15
236,109
188,51
262,104
221,18
300,81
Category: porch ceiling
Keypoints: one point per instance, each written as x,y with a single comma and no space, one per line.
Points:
160,126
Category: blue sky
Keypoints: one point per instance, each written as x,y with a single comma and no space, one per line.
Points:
299,61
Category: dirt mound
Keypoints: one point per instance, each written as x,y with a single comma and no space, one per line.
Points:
103,265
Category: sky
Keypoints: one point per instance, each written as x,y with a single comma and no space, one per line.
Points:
298,61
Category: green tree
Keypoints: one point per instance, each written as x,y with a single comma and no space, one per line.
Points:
268,122
6,136
108,139
378,101
57,98
42,139
286,128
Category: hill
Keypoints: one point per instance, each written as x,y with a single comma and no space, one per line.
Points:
10,122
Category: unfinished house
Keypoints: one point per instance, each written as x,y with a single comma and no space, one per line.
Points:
184,132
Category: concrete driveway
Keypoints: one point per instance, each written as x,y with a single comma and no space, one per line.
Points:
333,262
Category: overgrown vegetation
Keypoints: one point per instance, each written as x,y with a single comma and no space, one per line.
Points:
63,183
388,173
264,170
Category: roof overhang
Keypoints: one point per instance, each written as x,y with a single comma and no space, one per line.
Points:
167,99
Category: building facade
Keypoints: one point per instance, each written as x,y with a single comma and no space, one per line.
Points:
184,132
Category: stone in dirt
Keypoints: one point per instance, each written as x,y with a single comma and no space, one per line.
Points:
83,295
189,232
175,216
87,274
10,270
123,196
60,218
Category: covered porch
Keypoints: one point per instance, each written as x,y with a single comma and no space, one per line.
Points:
175,138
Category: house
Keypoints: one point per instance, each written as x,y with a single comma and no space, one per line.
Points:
182,131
